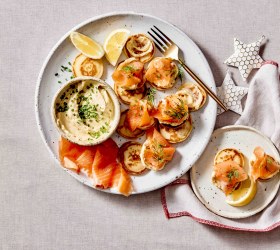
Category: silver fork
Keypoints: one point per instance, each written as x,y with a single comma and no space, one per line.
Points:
169,49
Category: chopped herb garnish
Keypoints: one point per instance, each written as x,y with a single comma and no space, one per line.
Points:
88,111
63,68
59,82
56,74
69,63
83,98
94,134
233,174
104,130
62,108
62,96
128,69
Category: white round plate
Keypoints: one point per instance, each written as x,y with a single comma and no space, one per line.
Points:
244,139
98,28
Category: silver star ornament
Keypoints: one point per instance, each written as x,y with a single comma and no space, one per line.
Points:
246,57
231,95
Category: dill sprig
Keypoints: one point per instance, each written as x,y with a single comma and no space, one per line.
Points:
158,152
151,95
177,112
180,73
269,160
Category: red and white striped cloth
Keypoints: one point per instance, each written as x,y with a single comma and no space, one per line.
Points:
262,111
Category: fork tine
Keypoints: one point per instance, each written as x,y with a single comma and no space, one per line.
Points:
158,43
159,48
167,43
165,36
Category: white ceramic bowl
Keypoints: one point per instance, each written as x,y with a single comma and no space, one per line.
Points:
114,123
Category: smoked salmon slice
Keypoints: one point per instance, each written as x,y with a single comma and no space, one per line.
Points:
102,175
272,167
138,116
68,154
264,166
84,161
124,183
70,164
106,154
69,149
98,162
227,175
169,152
111,175
157,137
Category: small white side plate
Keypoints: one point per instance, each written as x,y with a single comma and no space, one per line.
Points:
244,139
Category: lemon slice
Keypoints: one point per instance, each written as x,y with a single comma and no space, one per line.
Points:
86,45
244,194
114,44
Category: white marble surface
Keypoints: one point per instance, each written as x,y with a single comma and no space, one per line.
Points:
41,207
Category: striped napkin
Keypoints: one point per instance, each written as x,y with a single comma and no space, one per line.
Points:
262,111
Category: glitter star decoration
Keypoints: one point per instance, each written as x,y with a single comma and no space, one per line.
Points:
246,57
231,95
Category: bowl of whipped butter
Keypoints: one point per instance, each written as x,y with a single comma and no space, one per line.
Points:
86,111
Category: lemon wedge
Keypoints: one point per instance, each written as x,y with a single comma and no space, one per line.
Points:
86,45
244,194
114,44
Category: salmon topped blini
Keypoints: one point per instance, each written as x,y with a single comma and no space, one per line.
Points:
162,73
139,115
172,110
227,176
129,74
156,151
124,129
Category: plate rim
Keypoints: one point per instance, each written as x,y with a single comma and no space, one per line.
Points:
271,197
88,21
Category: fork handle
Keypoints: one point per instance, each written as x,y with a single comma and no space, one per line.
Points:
202,85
